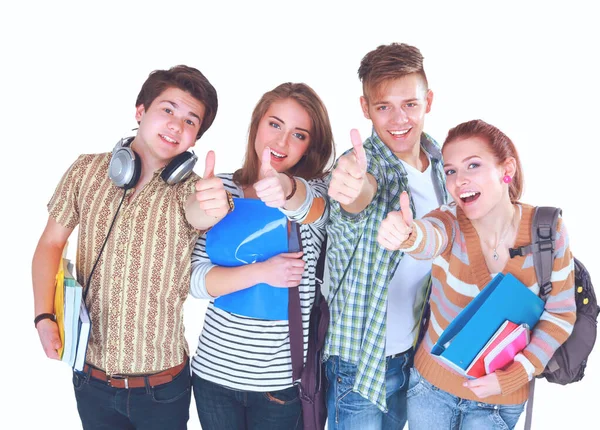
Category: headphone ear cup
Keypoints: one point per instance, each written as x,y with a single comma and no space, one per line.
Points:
179,168
125,168
137,171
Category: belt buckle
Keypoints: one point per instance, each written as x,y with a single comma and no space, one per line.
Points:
119,378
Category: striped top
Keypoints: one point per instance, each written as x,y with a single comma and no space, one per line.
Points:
459,273
136,295
251,354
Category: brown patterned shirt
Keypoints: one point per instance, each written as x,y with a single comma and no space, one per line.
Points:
137,291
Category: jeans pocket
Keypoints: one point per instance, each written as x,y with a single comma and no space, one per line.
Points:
509,414
346,373
416,384
172,391
283,397
78,380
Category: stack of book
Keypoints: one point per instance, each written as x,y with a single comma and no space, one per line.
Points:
72,317
491,330
508,341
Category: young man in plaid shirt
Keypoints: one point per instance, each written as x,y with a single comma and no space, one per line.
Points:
376,296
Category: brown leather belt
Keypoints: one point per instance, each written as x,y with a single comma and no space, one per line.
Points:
135,381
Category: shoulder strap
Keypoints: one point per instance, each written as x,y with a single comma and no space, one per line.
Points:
320,270
543,235
529,410
295,315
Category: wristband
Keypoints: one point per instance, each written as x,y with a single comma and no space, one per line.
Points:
294,185
230,202
43,317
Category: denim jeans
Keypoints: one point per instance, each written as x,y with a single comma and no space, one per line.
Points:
165,406
221,408
348,410
432,408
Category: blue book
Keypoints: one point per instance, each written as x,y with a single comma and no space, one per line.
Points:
504,298
251,233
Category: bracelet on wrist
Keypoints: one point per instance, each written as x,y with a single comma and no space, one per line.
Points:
43,317
294,185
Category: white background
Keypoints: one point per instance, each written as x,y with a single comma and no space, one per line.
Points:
71,72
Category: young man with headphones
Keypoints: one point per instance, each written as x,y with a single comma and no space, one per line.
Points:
139,210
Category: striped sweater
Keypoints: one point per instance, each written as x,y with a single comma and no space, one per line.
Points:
250,354
459,273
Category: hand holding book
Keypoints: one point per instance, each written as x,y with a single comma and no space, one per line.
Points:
469,333
253,233
71,316
485,386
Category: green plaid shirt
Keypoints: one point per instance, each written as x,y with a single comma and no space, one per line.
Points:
361,270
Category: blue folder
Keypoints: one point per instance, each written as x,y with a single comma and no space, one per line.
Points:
253,232
504,298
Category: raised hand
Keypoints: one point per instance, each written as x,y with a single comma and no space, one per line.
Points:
397,226
350,175
210,192
272,186
48,333
284,270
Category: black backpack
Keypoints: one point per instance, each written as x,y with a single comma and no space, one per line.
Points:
568,363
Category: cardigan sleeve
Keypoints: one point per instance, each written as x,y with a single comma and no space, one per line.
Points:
431,235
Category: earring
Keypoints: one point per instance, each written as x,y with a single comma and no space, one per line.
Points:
506,179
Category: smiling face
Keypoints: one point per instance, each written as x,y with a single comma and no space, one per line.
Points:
168,127
474,176
397,109
285,128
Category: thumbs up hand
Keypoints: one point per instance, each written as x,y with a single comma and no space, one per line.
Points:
272,187
396,228
210,192
350,175
209,165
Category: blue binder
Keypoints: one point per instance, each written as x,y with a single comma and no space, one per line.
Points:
253,232
504,298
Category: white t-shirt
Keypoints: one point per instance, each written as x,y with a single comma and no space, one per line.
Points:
410,274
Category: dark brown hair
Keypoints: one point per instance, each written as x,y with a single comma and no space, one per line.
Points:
313,163
186,79
500,145
389,62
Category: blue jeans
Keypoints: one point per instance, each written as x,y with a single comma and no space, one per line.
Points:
432,408
348,410
101,406
221,408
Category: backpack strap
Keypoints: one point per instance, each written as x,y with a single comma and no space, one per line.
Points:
543,236
529,410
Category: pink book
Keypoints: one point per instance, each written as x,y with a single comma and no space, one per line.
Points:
477,367
504,353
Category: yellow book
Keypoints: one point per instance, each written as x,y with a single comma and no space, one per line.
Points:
59,302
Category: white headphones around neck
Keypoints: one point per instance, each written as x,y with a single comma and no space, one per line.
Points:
125,166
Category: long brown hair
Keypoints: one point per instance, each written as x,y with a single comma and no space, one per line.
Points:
313,163
500,145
